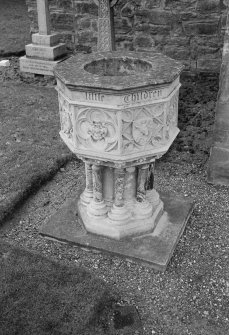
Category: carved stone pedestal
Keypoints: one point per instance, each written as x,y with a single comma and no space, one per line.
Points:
118,113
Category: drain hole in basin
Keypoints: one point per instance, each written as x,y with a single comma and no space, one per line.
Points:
117,66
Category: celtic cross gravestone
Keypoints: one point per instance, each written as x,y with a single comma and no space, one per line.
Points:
106,39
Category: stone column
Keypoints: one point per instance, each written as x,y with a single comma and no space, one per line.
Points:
218,168
106,39
142,182
108,185
119,211
150,178
131,184
87,194
151,194
97,207
43,17
144,208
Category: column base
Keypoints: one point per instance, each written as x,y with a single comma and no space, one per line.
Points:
96,210
86,197
143,210
153,197
120,222
118,215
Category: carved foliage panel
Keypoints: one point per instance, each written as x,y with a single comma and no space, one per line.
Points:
172,114
143,127
96,129
66,117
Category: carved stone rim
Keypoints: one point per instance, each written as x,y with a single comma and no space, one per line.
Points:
164,70
117,66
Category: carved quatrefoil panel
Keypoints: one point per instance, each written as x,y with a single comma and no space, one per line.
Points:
65,118
96,129
144,127
172,114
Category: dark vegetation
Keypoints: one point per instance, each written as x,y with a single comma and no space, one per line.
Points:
197,101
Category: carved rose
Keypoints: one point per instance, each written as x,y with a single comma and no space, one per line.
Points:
97,130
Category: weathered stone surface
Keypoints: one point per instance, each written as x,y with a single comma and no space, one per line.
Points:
48,40
38,66
149,4
143,41
208,64
62,21
209,5
43,17
83,71
83,7
184,5
201,28
45,52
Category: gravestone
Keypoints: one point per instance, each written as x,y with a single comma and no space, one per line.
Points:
218,169
45,51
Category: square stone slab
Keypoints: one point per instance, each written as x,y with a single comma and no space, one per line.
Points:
154,249
45,52
39,66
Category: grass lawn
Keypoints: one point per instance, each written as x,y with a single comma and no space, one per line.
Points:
39,296
31,150
14,27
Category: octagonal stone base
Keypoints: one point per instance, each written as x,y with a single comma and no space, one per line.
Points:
120,222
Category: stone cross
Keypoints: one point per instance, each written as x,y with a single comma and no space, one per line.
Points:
44,23
106,40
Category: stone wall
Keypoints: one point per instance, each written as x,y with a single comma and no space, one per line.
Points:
189,30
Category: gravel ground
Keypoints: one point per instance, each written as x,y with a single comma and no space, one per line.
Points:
192,296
